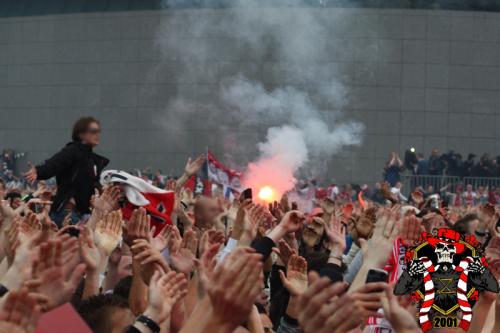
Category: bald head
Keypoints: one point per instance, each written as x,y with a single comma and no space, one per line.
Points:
205,211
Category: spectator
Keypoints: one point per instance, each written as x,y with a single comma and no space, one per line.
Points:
422,165
469,195
469,165
396,191
436,165
393,169
77,170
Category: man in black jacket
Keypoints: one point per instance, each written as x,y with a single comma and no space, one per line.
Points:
77,170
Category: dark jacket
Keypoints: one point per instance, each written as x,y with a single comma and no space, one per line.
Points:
77,170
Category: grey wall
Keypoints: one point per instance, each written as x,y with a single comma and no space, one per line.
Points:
415,78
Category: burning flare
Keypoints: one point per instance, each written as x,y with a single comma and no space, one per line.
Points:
266,194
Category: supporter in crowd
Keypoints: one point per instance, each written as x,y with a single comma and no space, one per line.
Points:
436,164
393,169
77,170
228,266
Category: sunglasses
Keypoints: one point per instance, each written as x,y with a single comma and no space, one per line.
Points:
94,130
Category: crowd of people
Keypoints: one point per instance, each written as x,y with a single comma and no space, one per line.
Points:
219,265
449,164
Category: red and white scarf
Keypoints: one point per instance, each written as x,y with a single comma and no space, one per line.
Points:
462,293
463,302
423,315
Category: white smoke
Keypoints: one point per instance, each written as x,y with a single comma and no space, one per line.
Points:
296,45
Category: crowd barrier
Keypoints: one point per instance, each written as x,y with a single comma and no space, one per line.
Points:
438,182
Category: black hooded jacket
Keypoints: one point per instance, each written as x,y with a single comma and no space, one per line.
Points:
77,170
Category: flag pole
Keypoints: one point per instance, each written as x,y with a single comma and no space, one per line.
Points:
209,183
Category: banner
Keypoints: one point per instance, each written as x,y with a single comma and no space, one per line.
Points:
219,174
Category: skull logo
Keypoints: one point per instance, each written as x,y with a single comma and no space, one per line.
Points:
445,252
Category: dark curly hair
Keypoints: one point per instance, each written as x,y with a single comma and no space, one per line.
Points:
96,311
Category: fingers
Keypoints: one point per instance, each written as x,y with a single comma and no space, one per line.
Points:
76,276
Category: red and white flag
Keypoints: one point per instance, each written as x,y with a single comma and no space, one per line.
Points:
158,203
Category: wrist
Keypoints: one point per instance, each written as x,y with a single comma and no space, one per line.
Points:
336,251
149,323
335,258
153,314
292,310
277,233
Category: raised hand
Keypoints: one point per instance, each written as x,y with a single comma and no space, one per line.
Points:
160,241
149,258
190,242
255,216
209,238
31,175
284,203
30,226
432,221
400,319
138,227
108,200
323,308
184,259
165,289
109,232
295,280
207,263
233,287
410,230
91,255
11,240
292,221
336,231
284,252
174,239
328,206
50,281
239,222
368,298
379,246
7,214
192,167
19,312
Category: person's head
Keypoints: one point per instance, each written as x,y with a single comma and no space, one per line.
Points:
14,199
398,184
205,211
122,288
430,189
467,225
420,156
313,232
469,188
106,313
87,130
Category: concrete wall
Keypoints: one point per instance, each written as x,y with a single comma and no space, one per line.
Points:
415,78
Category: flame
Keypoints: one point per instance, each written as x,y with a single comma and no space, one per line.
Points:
267,194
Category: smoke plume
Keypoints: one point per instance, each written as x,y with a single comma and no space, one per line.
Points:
289,86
